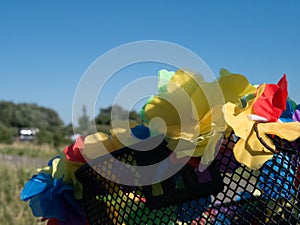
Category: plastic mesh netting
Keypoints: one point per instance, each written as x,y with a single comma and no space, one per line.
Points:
225,193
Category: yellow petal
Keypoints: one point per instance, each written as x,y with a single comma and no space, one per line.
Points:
211,149
176,112
214,116
96,145
205,144
58,167
234,86
186,80
255,144
238,120
70,178
196,89
201,102
121,137
47,170
288,131
245,154
160,107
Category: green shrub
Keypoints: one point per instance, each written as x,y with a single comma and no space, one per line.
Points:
5,134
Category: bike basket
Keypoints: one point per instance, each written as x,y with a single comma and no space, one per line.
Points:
225,193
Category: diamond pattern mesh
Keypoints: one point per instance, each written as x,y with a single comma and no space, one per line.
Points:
227,193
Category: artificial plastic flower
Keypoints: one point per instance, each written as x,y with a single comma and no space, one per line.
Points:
99,144
296,115
253,124
291,113
55,193
73,151
272,101
51,198
191,109
65,166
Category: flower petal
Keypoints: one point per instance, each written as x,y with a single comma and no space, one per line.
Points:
234,86
164,77
73,151
245,154
238,119
287,131
296,115
96,145
272,102
36,185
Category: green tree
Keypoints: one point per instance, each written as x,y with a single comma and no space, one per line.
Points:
116,112
5,134
29,115
24,115
104,117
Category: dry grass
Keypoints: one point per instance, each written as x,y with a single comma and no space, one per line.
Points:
12,209
19,162
29,149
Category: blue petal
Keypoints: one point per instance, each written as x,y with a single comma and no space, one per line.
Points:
35,186
141,132
286,120
288,112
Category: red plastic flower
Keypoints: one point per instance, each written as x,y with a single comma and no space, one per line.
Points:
272,102
73,151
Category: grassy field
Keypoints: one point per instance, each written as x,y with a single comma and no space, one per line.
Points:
18,163
28,149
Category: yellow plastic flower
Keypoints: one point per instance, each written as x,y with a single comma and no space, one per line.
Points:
63,168
249,150
99,144
191,108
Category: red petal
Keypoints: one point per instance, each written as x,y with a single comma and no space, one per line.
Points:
72,151
279,100
272,102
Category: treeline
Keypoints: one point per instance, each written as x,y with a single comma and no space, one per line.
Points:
52,130
103,119
24,115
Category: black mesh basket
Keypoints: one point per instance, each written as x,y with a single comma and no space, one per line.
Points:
225,193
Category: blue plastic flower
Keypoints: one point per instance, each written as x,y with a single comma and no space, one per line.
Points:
292,112
141,132
51,198
276,178
287,114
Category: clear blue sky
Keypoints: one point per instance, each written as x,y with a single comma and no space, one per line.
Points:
46,46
